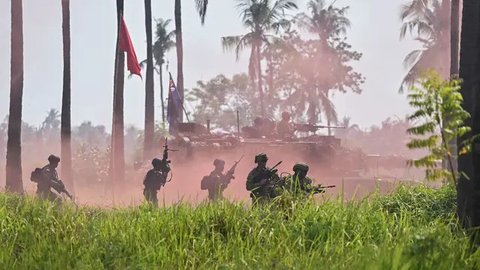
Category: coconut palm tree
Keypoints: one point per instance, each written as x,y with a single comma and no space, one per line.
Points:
428,21
468,188
149,88
66,125
202,11
14,149
262,18
117,163
326,22
163,43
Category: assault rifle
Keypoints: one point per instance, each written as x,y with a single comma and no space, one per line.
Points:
230,172
59,186
270,173
165,152
312,128
166,161
320,189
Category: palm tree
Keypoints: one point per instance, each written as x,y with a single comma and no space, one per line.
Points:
428,22
202,11
66,125
468,189
149,87
117,163
51,120
261,17
14,148
163,43
326,22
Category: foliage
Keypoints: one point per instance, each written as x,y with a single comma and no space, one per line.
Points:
440,119
302,72
307,72
163,41
220,98
428,22
264,19
91,164
389,233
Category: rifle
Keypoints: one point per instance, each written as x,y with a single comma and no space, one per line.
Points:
165,160
312,128
320,189
165,151
60,188
271,172
230,172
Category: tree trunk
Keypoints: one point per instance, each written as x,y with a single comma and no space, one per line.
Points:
161,94
179,45
468,201
454,68
149,88
66,148
117,169
259,75
14,148
454,37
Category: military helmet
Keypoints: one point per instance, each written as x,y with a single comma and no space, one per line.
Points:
218,162
300,167
156,162
261,158
53,158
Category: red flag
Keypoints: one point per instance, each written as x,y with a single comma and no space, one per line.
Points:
125,44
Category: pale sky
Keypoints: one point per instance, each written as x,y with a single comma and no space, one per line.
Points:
374,32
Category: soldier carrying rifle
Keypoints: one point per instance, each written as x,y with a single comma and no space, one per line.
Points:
47,178
262,182
157,176
300,184
217,182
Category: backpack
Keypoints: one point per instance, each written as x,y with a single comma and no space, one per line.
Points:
206,182
37,175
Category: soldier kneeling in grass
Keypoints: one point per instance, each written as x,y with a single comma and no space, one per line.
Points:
300,184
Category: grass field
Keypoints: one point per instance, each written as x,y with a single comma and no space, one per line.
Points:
411,229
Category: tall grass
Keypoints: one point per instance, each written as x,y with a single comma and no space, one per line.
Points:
412,229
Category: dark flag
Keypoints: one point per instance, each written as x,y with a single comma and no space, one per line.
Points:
174,107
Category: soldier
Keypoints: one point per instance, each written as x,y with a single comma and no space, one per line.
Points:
155,179
216,182
49,179
300,184
262,181
285,128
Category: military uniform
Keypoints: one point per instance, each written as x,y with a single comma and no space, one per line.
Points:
299,183
284,127
154,180
261,182
217,181
49,180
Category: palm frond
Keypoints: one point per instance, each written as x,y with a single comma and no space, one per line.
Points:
412,58
202,9
237,43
